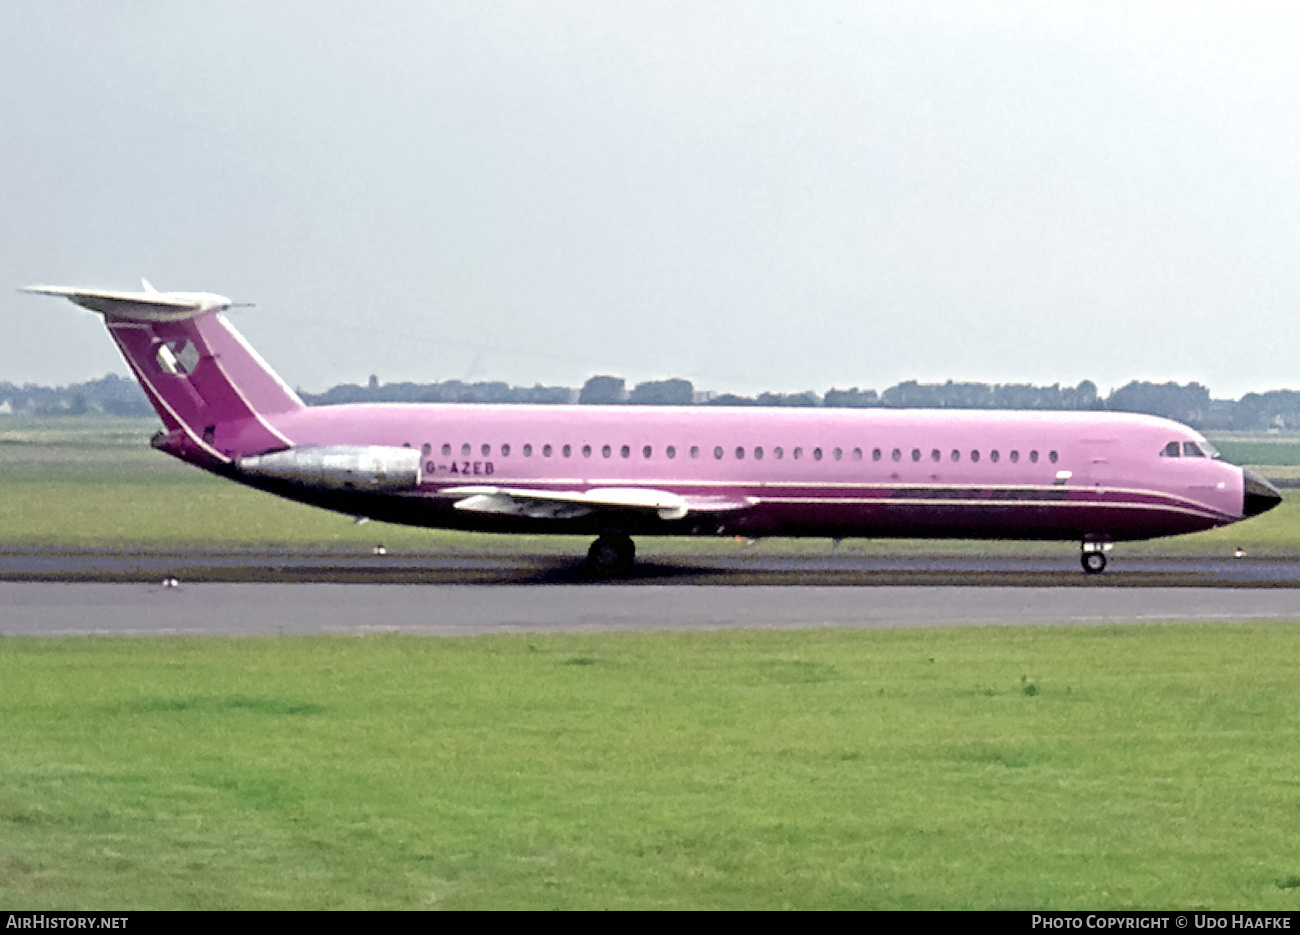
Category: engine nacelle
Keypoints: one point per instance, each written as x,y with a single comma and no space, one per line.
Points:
340,467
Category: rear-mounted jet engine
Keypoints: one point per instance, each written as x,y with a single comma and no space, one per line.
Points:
340,467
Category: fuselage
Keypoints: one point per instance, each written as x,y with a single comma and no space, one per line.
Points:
800,472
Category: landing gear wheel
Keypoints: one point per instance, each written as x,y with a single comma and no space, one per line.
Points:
611,556
1094,563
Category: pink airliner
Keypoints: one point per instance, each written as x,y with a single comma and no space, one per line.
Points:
616,472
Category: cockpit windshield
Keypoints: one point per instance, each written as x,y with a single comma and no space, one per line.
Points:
1196,449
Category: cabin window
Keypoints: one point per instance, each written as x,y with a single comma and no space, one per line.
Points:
446,450
876,454
1015,456
857,454
740,454
671,451
606,451
955,455
1053,457
486,450
586,451
625,452
897,454
695,451
934,454
975,456
994,456
505,451
528,451
797,454
916,454
425,450
817,454
546,450
1033,456
645,452
758,454
465,450
567,450
837,454
778,452
717,452
1192,450
1172,450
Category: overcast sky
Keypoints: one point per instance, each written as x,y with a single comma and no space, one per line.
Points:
753,196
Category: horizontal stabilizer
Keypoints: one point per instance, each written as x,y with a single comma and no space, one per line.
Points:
570,504
139,306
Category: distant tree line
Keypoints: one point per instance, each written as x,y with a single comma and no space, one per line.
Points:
111,395
450,391
1190,403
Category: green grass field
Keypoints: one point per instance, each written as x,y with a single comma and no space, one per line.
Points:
1080,767
1260,449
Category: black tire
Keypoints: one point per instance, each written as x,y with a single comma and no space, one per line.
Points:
611,556
1094,563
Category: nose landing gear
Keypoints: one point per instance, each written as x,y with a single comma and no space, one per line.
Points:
1093,557
1094,563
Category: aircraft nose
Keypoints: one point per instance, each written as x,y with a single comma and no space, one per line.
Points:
1259,495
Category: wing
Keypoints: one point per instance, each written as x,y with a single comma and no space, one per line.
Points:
570,504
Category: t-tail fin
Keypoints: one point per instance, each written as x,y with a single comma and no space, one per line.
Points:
212,391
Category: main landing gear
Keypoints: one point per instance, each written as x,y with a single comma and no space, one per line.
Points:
611,556
1093,557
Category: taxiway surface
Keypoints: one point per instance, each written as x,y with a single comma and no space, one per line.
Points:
46,609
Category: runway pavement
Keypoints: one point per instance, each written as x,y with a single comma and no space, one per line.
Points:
723,569
463,610
245,594
46,609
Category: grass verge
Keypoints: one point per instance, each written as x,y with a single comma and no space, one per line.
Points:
1079,767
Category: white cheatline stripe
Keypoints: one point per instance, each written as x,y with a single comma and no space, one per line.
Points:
758,489
1202,512
1178,505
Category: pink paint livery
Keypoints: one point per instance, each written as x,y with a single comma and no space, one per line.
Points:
615,472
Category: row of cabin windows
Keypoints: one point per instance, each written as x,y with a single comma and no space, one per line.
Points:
758,453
